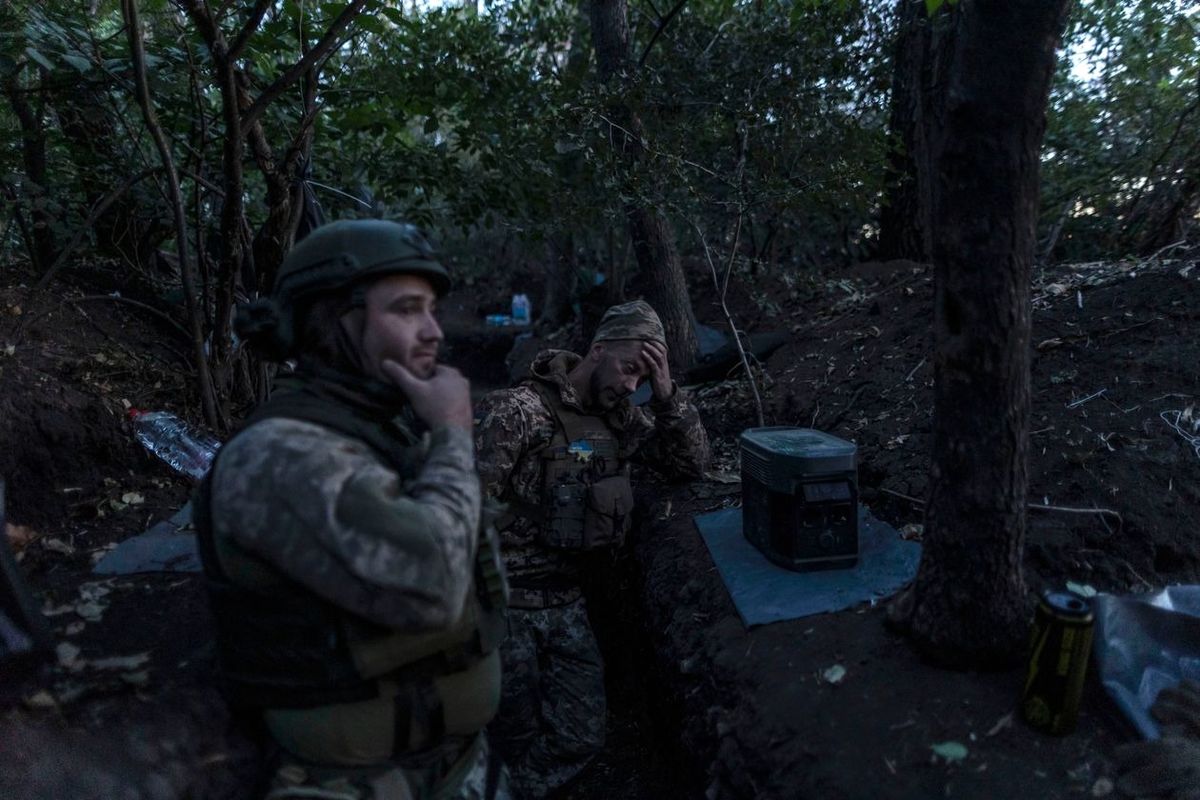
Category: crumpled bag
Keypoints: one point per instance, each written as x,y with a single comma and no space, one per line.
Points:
1144,644
1167,767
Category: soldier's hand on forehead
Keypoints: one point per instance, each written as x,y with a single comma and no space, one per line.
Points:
443,399
654,355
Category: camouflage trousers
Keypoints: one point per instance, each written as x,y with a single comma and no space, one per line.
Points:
552,706
458,770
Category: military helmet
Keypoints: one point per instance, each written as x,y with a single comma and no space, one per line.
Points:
339,255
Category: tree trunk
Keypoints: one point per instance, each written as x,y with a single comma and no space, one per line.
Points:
918,89
968,605
653,239
562,281
36,187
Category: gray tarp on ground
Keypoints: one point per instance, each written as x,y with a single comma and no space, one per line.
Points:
168,546
1144,644
764,592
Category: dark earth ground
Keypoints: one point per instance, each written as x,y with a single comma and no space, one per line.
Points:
700,706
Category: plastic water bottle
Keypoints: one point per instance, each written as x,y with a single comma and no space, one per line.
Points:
521,311
185,448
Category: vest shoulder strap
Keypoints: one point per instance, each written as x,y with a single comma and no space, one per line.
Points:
394,441
573,425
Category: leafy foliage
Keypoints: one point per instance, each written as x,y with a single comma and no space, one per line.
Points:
488,126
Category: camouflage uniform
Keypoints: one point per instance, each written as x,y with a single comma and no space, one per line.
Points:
552,715
346,569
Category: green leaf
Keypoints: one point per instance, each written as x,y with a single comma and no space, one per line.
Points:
951,752
39,58
78,62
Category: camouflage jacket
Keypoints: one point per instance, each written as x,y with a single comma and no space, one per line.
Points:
328,512
514,426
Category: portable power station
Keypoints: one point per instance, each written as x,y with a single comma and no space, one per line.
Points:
800,497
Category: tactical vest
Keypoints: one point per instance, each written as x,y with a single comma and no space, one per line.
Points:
587,500
314,668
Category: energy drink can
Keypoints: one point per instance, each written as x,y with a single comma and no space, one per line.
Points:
1058,657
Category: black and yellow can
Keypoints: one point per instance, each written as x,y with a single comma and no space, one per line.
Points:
1058,657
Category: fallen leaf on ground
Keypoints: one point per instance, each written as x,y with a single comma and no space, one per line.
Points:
1103,787
101,552
41,700
140,678
1004,722
950,752
93,591
834,674
90,611
68,656
1081,589
58,546
132,499
121,662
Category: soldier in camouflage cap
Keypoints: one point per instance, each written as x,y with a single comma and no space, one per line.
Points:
556,449
635,321
359,605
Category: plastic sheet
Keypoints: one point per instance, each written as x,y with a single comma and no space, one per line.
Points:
1144,644
764,592
168,546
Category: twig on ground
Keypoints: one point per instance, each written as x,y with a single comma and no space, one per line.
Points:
1071,510
903,496
1083,400
1102,512
846,409
1155,255
914,370
1131,327
1176,424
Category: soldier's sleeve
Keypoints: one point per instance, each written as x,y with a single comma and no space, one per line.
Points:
327,512
669,437
501,435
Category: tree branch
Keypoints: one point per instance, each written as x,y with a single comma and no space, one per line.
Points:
208,398
102,205
663,22
256,15
322,48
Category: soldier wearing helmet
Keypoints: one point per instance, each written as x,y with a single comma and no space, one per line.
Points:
359,603
556,449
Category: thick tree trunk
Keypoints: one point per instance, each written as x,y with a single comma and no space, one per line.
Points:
653,239
920,78
654,247
903,217
968,605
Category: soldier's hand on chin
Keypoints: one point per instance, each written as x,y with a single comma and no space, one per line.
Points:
443,399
